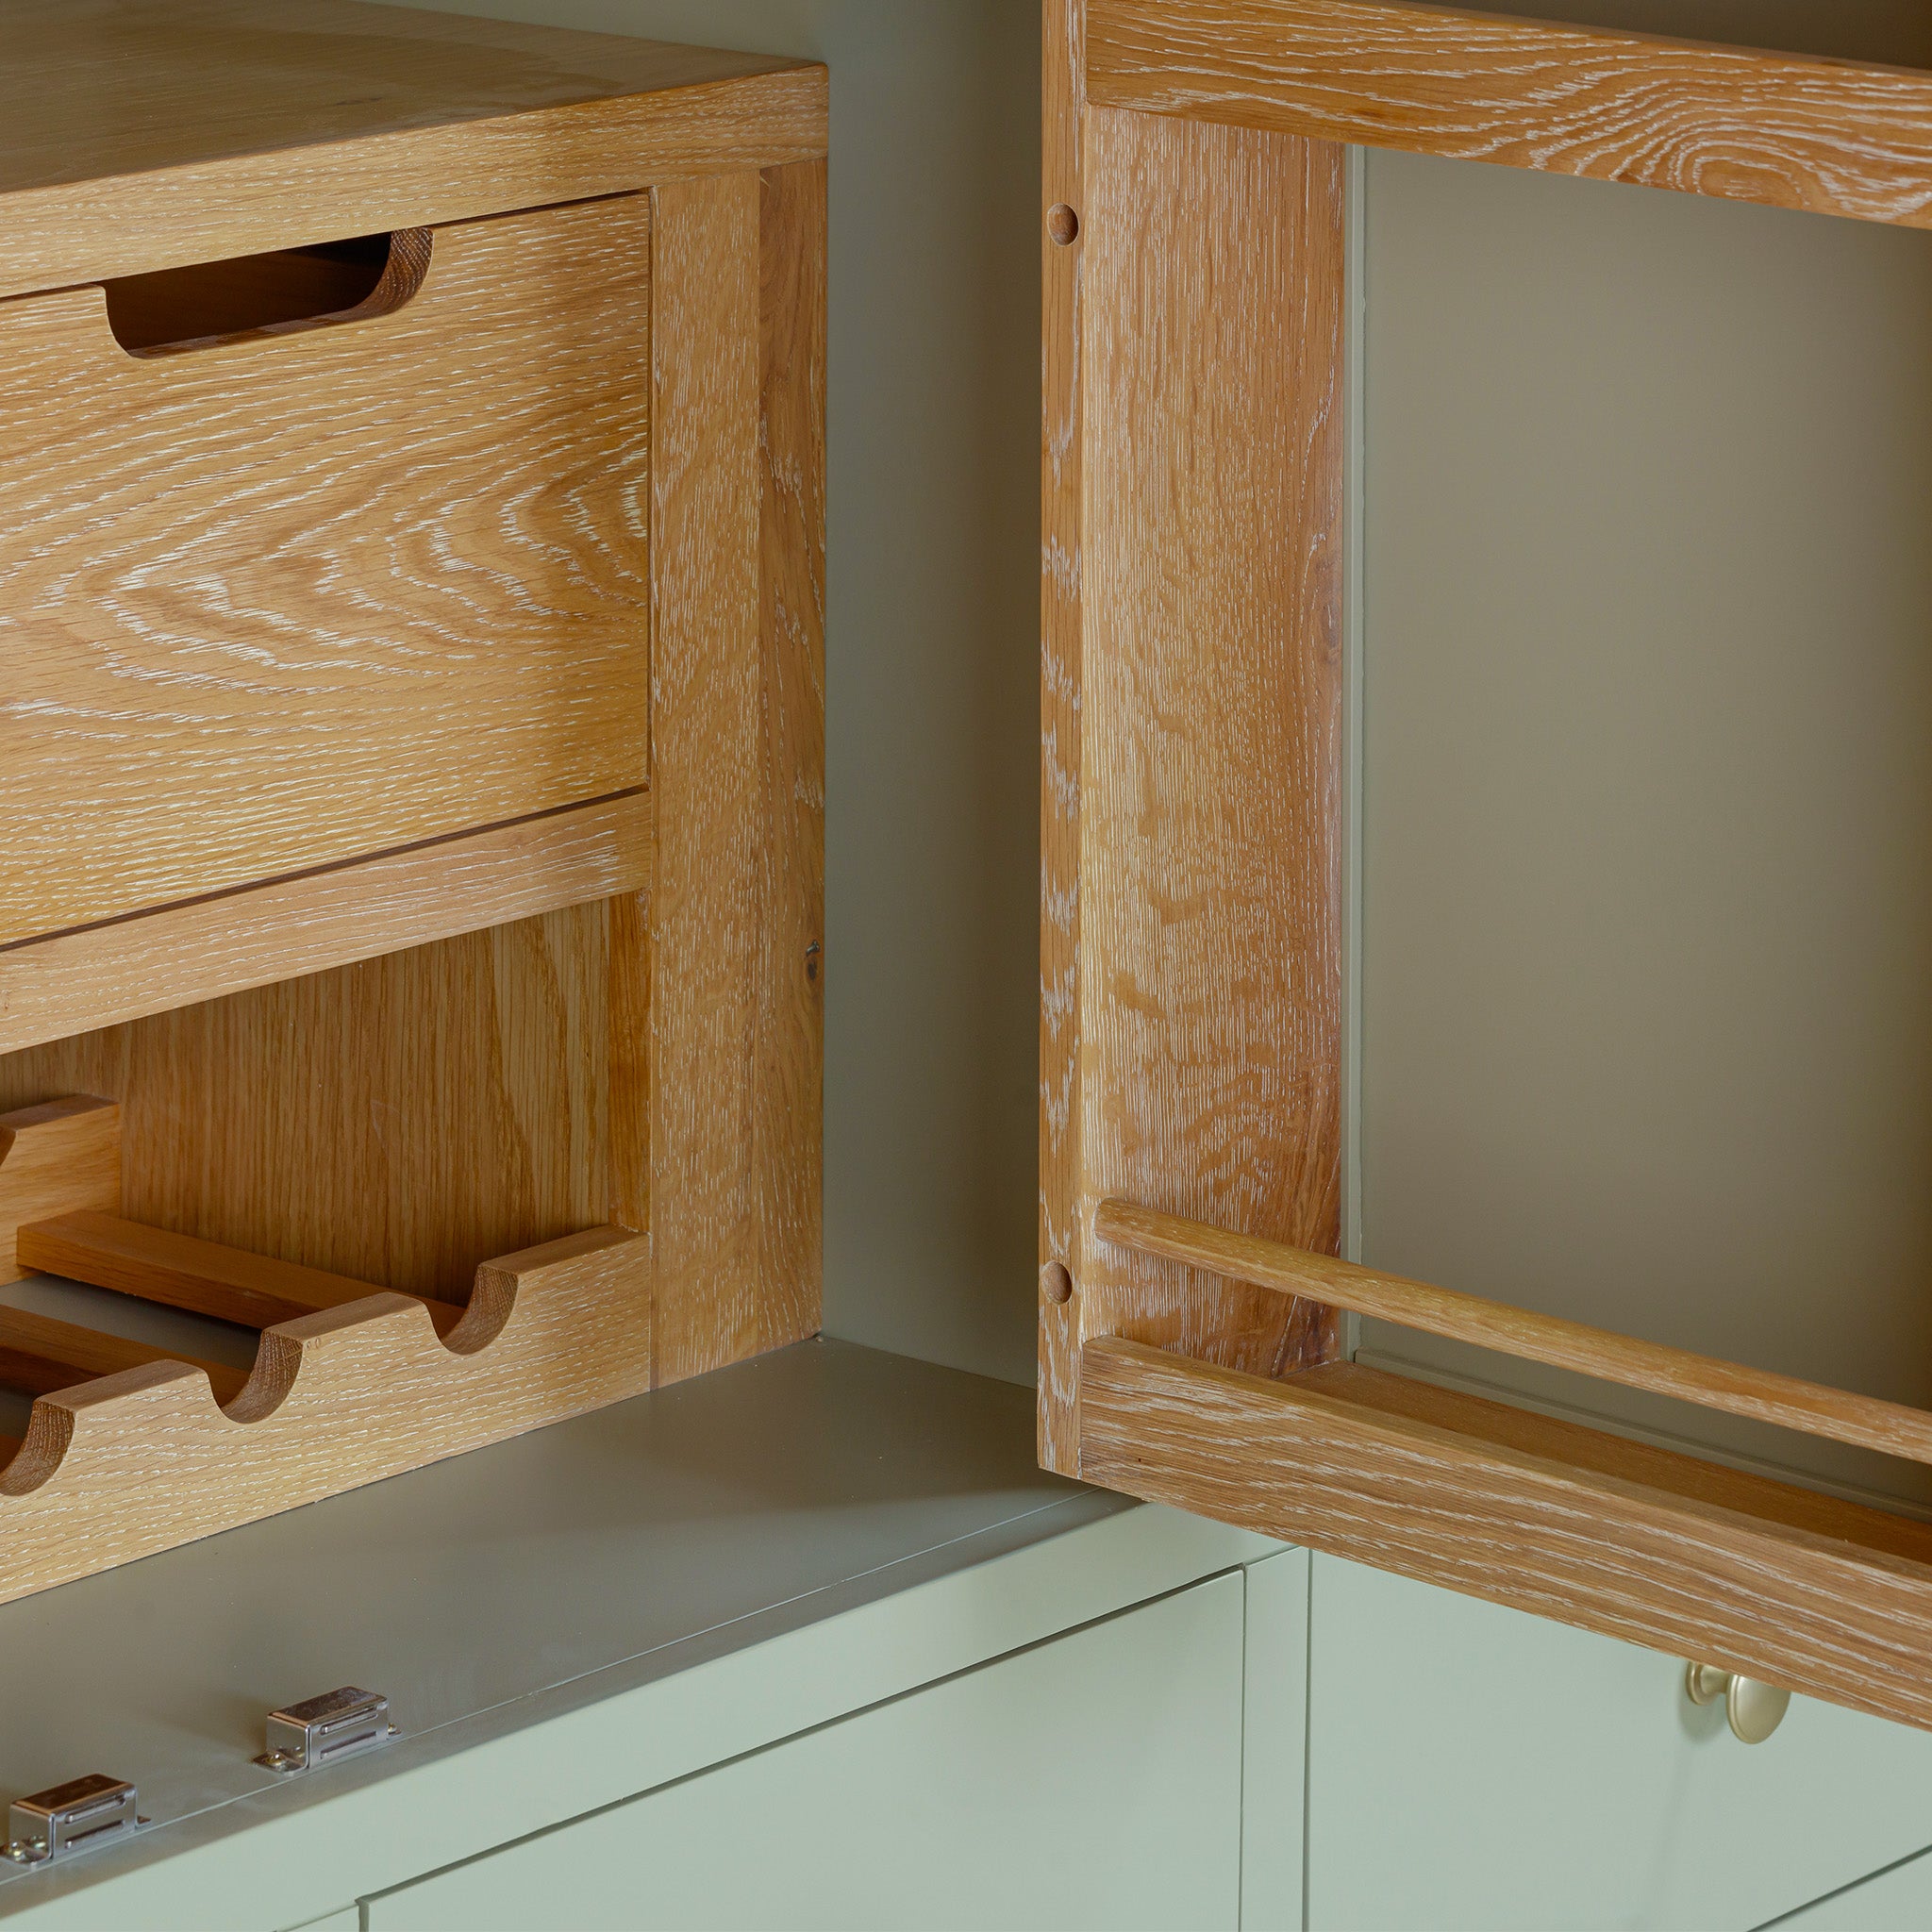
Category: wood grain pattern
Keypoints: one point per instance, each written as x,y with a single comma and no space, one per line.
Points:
1211,735
158,1265
138,135
788,1155
285,602
104,974
40,1356
55,1156
1865,1421
1824,1597
1063,65
394,1120
145,1460
1830,136
732,896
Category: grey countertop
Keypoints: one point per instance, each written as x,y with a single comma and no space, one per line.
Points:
502,1587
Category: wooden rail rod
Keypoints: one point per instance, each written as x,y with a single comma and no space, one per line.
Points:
1864,1421
40,1354
180,1272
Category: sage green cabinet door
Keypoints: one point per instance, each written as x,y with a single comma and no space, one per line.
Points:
1474,1767
1091,1781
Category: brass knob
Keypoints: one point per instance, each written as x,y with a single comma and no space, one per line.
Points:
1754,1709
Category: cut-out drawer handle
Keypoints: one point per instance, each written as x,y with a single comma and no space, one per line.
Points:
1754,1709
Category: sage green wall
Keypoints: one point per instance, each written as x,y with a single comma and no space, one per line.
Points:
932,843
1646,604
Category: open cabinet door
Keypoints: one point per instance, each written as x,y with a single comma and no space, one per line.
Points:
1196,507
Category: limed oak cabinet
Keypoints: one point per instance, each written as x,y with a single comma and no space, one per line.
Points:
411,526
1200,324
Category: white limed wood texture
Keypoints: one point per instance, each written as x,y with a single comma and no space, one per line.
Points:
55,1156
138,135
1864,1421
145,1460
737,761
1821,1596
1833,137
1063,62
285,602
228,943
1209,935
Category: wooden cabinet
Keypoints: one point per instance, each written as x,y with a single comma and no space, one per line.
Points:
1201,355
411,480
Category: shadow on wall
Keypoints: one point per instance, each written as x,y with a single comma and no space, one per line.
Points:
932,841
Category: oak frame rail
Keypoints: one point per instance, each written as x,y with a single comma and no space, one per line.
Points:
1743,123
1866,1421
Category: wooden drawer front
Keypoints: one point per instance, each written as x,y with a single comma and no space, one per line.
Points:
280,601
1095,1780
1474,1766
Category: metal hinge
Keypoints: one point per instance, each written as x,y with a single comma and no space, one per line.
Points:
79,1816
325,1729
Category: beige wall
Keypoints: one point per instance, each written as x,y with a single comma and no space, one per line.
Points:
932,650
1646,600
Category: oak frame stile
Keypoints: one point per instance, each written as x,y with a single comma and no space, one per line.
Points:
489,1124
1194,496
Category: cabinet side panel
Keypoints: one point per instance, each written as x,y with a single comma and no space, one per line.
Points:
1062,63
398,1120
734,1251
1211,795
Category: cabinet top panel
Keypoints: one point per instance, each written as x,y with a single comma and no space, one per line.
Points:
140,134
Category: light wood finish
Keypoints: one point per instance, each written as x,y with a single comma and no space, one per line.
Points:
1212,451
737,765
1062,64
145,1460
104,974
391,586
40,1356
1834,137
360,685
789,1150
1865,1421
138,135
256,1291
394,1120
1824,1597
55,1156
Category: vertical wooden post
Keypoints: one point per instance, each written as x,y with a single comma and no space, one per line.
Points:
1191,670
1062,207
737,334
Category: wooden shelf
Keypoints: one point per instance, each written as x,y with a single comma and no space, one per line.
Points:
124,968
